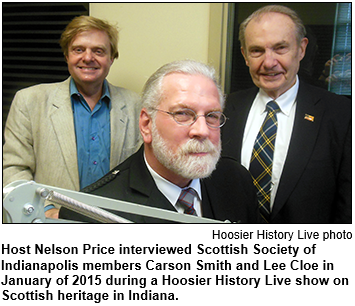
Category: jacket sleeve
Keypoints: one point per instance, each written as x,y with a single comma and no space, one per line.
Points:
18,152
343,207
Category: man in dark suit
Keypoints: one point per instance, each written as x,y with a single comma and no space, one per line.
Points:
180,124
310,171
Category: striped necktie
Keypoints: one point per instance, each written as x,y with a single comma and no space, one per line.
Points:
262,159
186,201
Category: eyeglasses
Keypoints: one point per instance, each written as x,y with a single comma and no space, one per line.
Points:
188,117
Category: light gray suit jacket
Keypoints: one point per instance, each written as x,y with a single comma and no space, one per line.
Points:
40,138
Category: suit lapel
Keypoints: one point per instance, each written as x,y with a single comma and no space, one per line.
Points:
118,123
142,182
63,123
301,146
61,115
237,109
207,211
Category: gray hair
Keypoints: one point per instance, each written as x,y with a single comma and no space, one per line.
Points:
152,91
300,28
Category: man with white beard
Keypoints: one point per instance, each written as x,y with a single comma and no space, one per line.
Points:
180,121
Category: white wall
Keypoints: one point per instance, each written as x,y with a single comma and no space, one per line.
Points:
152,34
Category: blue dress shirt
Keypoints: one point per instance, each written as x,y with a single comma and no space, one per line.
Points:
92,131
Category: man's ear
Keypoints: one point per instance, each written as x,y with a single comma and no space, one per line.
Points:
245,56
145,126
303,46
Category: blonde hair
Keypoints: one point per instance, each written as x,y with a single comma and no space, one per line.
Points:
87,23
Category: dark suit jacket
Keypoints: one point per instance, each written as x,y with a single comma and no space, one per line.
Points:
228,194
315,185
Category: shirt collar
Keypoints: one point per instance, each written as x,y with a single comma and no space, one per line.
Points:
285,101
73,90
170,190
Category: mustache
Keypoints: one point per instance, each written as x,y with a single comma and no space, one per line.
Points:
198,146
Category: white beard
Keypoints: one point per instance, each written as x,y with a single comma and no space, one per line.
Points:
182,163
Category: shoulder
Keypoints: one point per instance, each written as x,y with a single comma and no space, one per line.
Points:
229,174
45,87
336,109
125,100
37,95
324,96
232,192
246,93
240,99
123,93
115,183
230,169
118,176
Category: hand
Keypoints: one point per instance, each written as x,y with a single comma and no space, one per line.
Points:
52,213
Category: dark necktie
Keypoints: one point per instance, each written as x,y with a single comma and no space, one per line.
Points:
262,159
186,201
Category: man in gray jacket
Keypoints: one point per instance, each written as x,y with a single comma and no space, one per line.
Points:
69,134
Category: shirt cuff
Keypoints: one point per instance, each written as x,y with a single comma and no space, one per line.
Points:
48,207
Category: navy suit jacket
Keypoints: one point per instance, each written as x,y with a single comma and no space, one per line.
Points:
315,185
228,194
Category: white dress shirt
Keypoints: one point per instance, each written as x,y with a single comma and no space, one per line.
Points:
285,118
172,191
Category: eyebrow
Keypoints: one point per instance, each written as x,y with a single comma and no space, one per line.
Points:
280,43
254,46
103,47
184,106
283,42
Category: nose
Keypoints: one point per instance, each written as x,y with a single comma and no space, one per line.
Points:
88,55
199,128
270,60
